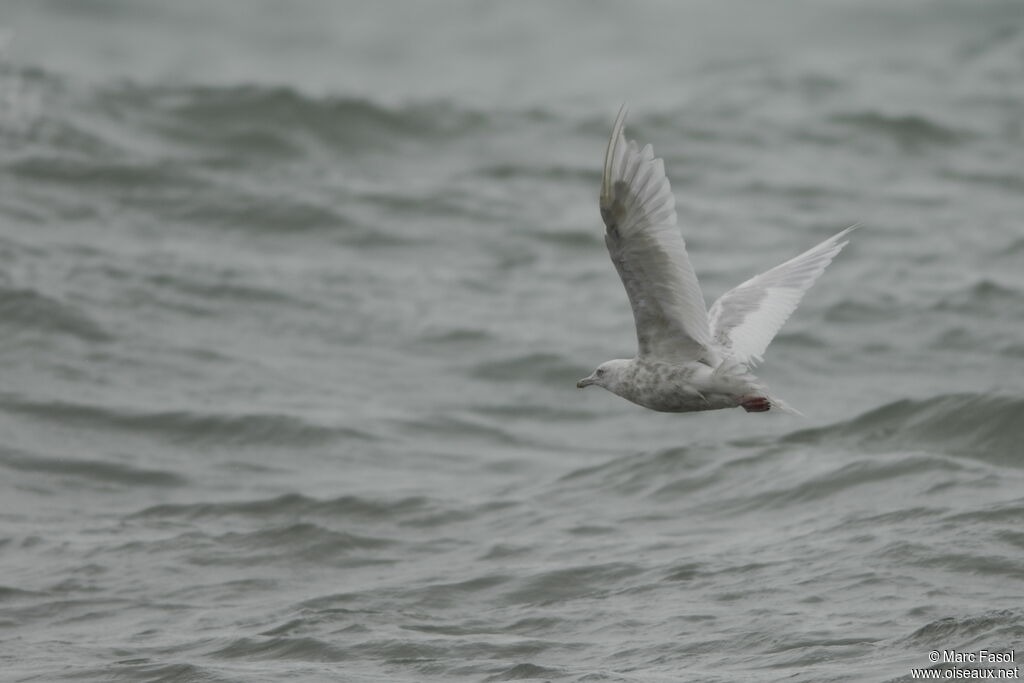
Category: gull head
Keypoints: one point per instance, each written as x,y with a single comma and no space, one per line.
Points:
608,375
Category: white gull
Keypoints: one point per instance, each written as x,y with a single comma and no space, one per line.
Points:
689,357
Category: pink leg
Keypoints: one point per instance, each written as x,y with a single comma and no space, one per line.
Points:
755,404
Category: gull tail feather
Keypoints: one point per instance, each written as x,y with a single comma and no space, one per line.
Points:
784,407
739,372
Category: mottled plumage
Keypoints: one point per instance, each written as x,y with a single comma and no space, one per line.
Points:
688,357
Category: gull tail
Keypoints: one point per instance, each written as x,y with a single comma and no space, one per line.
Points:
784,407
756,397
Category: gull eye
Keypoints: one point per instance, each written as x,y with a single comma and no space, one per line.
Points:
600,372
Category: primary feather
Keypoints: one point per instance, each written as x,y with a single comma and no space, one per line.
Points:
649,253
745,319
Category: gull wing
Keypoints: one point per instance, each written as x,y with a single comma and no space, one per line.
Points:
745,319
649,253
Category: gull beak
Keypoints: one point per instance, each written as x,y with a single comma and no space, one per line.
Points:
585,382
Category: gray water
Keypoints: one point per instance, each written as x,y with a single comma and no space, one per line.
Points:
293,298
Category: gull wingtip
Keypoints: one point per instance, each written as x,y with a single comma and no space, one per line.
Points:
845,233
606,180
855,226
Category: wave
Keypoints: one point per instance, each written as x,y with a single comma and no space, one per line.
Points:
981,426
572,583
291,518
178,192
533,411
912,131
983,298
539,368
426,656
143,669
670,471
1001,181
186,426
526,671
289,543
27,309
448,336
90,469
255,210
303,648
261,120
967,562
222,287
9,593
200,114
452,426
510,171
986,629
292,505
231,126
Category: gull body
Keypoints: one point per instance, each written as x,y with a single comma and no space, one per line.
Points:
689,357
672,387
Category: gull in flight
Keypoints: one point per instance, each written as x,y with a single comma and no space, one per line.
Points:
689,357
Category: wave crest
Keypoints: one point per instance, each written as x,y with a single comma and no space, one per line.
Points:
981,426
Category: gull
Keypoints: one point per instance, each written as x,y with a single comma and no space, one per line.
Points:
689,357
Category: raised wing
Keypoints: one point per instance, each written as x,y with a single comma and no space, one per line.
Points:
745,319
649,252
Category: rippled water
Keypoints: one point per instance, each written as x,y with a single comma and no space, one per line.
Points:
293,301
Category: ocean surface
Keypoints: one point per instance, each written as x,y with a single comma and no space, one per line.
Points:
294,296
